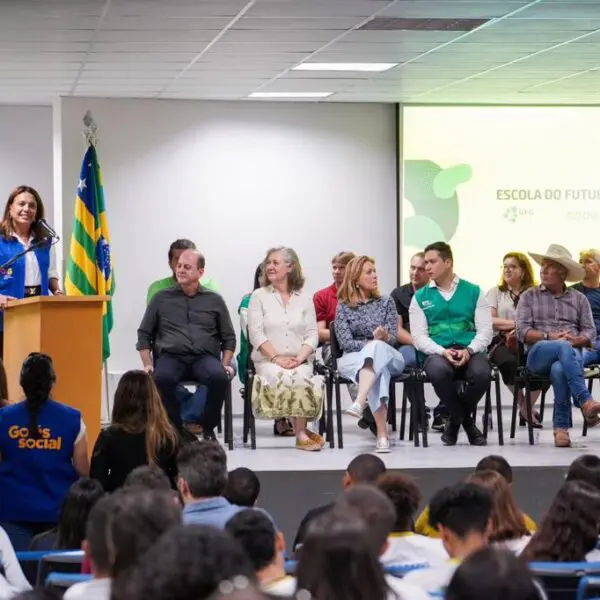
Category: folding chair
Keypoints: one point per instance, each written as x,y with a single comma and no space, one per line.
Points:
561,580
487,411
413,391
249,422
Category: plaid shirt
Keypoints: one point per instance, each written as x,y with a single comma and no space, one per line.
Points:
538,309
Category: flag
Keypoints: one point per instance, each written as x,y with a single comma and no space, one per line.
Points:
89,271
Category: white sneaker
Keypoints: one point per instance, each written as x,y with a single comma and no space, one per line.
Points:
355,410
382,446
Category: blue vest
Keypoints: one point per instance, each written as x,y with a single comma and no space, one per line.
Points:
35,474
12,280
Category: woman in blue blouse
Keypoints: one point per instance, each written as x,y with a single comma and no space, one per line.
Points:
365,325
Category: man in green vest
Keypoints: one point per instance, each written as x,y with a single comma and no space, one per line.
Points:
451,325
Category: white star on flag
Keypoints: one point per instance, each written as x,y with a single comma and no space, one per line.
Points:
82,185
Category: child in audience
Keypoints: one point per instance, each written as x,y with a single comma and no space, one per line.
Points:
585,468
12,579
123,527
265,548
404,545
340,559
569,531
493,462
187,563
243,487
493,574
140,433
70,531
508,529
461,513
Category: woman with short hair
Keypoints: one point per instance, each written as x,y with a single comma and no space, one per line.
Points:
282,329
366,324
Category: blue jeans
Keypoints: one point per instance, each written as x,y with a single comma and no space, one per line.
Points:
191,403
564,364
592,356
409,354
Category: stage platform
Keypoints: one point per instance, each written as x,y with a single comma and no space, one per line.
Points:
293,481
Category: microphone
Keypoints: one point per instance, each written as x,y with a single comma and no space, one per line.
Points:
46,230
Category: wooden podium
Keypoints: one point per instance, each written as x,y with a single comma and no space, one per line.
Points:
69,330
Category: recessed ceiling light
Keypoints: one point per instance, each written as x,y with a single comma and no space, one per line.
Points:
370,67
289,94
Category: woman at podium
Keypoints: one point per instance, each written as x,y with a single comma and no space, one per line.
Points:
24,232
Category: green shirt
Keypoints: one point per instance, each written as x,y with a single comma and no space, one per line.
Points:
167,282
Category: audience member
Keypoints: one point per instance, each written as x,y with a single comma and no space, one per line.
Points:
585,468
555,323
12,579
461,513
404,545
122,528
517,276
282,427
265,547
492,462
139,434
282,329
451,326
366,324
569,531
176,249
340,561
174,351
186,563
241,589
149,477
363,469
43,446
493,574
70,531
191,403
507,530
589,286
202,479
243,487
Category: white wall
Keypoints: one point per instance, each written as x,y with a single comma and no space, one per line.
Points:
26,151
236,178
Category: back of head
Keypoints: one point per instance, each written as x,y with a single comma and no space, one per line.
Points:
97,534
492,574
139,518
374,508
497,463
138,408
462,508
149,477
187,563
404,495
338,560
570,528
365,468
243,487
256,535
507,521
585,468
37,378
74,512
202,467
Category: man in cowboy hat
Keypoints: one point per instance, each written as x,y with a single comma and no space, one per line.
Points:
555,323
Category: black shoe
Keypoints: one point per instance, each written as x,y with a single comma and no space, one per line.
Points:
475,436
450,435
368,421
439,423
209,435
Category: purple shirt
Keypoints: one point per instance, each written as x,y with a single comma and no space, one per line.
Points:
539,309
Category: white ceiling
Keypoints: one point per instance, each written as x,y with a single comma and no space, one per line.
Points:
532,51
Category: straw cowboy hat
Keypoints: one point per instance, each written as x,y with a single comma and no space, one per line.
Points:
559,254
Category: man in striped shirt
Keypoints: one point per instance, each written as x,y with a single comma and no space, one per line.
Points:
555,323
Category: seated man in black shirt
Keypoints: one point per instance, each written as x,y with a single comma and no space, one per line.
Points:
190,330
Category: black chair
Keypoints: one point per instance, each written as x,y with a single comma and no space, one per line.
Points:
414,392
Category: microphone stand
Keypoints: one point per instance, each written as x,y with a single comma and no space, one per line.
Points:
48,239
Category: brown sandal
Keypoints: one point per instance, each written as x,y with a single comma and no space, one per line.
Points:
283,428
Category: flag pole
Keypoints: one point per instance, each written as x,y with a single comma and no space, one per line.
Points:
105,369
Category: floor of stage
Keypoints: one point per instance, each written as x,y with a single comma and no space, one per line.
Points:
293,481
278,454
